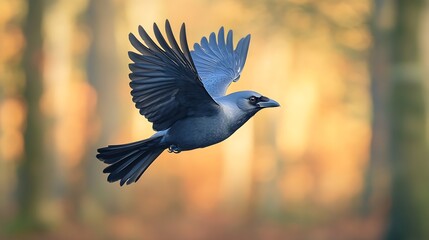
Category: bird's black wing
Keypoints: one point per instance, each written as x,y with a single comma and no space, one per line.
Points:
218,63
164,81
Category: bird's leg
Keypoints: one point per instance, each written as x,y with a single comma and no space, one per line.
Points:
174,149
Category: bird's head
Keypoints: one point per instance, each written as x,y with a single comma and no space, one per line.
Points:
250,101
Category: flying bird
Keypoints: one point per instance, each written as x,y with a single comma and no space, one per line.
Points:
183,94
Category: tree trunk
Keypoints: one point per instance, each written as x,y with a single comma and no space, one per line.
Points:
410,178
102,69
103,63
31,170
379,67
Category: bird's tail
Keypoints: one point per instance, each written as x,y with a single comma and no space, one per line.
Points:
127,162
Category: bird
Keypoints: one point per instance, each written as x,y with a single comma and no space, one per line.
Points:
183,94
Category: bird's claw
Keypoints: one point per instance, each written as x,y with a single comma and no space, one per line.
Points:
174,149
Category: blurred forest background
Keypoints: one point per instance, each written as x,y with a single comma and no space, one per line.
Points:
345,157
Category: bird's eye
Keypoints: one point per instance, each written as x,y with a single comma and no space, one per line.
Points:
252,99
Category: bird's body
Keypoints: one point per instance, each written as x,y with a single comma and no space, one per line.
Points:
188,108
199,132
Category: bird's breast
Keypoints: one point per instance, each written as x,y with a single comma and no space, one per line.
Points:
199,132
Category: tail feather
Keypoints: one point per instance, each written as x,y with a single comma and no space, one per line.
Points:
140,168
127,162
115,157
120,165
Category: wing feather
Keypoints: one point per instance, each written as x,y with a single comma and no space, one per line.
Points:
217,62
164,81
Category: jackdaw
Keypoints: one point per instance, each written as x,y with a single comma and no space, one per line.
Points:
182,93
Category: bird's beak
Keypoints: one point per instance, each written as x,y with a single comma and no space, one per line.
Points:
268,103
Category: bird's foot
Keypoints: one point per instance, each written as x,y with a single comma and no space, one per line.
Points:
174,149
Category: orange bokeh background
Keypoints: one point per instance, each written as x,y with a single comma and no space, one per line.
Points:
294,172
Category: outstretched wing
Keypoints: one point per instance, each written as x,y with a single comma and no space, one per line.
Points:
165,84
218,64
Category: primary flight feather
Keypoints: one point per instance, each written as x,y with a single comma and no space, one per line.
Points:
182,94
